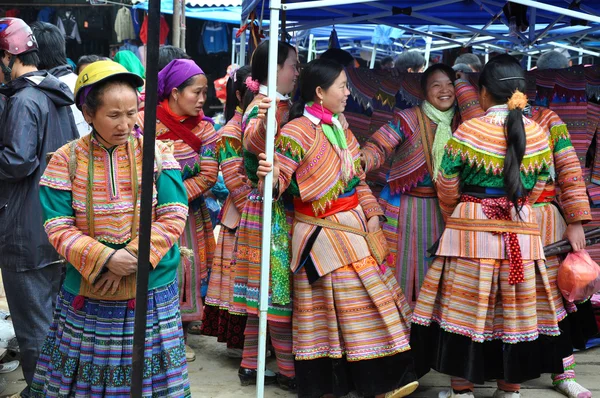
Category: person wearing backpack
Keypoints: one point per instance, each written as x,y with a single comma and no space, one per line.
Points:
35,121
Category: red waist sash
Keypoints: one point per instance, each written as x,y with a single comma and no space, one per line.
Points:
339,205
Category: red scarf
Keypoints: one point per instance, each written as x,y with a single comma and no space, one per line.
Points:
180,127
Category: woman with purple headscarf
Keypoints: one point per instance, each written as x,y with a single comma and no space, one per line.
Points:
181,122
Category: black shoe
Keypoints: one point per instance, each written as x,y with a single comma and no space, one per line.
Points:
287,383
248,377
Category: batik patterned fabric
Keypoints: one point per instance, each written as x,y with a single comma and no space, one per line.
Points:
248,248
467,291
414,221
311,170
89,348
199,173
217,320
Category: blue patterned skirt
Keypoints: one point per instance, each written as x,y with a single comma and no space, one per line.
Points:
88,350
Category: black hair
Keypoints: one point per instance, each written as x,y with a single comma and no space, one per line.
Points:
462,68
166,54
340,56
501,67
260,63
260,59
233,87
552,60
86,60
470,59
386,60
448,71
317,73
410,60
30,58
51,45
93,100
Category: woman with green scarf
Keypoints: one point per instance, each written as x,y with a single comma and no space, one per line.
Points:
132,63
411,146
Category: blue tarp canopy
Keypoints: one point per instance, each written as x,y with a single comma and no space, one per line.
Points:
217,14
458,14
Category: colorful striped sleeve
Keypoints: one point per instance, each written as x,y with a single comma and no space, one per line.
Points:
468,100
231,160
365,196
171,211
209,166
85,254
382,144
448,181
572,196
255,131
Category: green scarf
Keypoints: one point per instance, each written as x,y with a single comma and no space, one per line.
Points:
131,63
442,134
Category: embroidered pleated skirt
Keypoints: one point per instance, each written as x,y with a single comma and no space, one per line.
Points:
217,320
351,323
246,290
193,272
414,224
88,350
471,322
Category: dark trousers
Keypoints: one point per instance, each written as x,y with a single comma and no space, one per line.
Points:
31,297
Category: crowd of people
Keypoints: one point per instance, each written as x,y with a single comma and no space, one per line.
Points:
444,270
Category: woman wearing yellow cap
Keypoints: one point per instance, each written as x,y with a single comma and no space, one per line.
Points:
90,195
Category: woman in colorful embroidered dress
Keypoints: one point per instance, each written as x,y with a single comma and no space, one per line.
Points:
486,309
413,143
217,320
573,201
182,92
90,196
247,256
351,320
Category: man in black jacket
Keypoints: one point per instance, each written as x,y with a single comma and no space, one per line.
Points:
36,121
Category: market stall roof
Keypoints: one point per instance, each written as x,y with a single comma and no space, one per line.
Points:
459,14
203,3
228,14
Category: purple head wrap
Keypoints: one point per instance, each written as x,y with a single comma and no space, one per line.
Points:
174,74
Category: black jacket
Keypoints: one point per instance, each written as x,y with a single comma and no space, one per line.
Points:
36,120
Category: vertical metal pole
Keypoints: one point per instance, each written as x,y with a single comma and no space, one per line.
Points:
183,26
487,53
265,261
176,37
233,46
283,24
580,57
529,62
143,273
428,40
311,44
242,60
373,57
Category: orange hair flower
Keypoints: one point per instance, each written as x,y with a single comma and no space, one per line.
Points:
517,101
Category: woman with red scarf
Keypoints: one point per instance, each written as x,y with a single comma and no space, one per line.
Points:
182,88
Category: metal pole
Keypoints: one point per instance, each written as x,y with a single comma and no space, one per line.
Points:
428,41
558,10
143,273
233,46
487,53
265,262
311,44
176,37
242,60
373,56
183,26
580,57
529,62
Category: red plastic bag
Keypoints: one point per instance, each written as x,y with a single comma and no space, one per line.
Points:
578,276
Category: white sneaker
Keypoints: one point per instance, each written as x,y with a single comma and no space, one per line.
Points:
506,394
572,389
451,394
